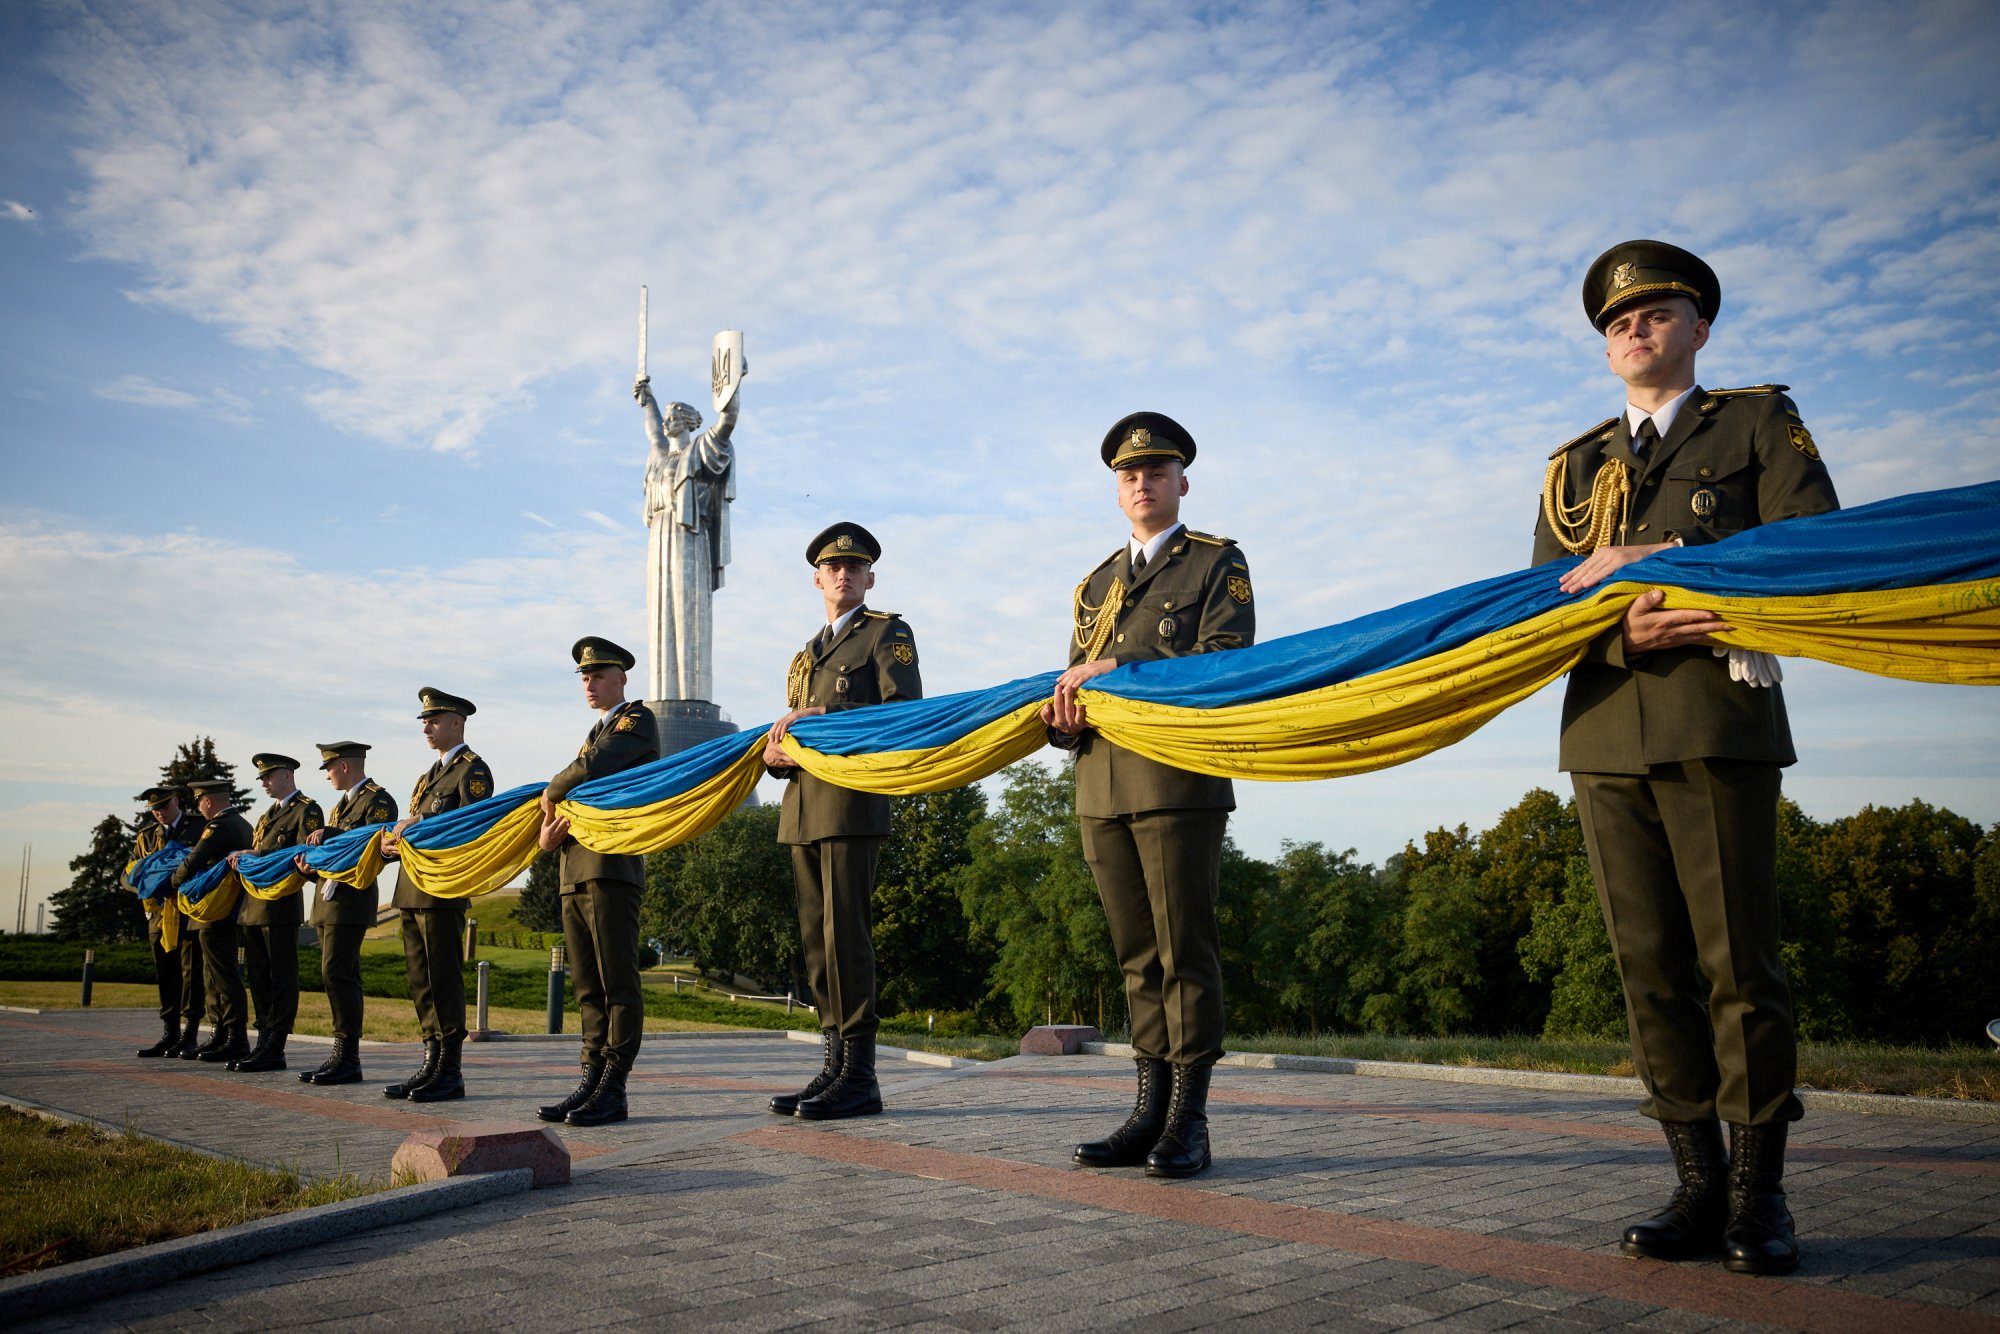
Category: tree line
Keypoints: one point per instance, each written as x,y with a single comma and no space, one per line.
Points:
986,914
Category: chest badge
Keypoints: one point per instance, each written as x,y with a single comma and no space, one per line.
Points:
1702,502
840,686
1168,627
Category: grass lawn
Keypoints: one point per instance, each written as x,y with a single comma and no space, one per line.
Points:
1950,1072
69,1192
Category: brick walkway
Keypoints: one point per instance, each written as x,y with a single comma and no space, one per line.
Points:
1338,1201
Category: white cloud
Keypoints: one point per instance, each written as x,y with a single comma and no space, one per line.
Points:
461,204
605,521
15,211
146,393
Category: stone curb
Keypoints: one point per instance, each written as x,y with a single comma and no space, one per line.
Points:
85,1281
1863,1104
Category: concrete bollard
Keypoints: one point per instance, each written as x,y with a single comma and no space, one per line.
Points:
557,976
485,981
472,937
89,969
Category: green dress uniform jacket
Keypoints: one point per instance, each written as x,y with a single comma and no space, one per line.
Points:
226,833
872,661
282,825
624,738
1733,459
367,802
150,840
1193,597
445,787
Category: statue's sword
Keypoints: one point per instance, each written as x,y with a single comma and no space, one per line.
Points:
642,332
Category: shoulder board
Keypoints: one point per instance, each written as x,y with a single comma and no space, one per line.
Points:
878,615
1591,434
469,755
1209,538
1751,391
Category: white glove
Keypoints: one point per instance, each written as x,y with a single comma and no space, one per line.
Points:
326,888
1752,668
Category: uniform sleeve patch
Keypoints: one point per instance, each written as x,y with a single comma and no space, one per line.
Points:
477,787
904,653
1802,440
1239,587
626,724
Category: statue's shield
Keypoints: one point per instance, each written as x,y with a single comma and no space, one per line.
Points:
726,373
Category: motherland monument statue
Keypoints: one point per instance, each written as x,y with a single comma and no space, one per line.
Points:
690,482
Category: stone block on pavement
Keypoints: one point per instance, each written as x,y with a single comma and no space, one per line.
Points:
482,1146
1058,1039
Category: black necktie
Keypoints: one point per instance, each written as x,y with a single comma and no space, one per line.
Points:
1138,562
1649,435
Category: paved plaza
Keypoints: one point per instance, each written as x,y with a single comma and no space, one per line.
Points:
1337,1201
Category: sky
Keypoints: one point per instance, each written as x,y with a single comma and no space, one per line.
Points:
318,323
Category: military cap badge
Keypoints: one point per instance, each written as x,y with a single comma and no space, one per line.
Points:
845,542
1623,276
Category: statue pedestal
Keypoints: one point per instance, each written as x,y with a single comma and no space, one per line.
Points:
686,723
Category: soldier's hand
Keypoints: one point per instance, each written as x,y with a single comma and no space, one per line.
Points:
554,830
1647,629
548,804
1604,562
784,725
316,837
299,862
1064,712
234,858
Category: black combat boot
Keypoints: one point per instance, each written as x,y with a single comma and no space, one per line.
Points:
1183,1147
607,1101
190,1043
1759,1237
332,1055
1691,1224
786,1104
170,1039
263,1041
1128,1145
234,1046
448,1082
344,1068
268,1056
433,1053
218,1037
853,1092
593,1071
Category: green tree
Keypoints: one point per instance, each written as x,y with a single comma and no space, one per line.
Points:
1566,946
96,905
1438,981
196,761
1809,939
1245,899
1326,939
1029,897
540,908
1903,899
925,956
727,899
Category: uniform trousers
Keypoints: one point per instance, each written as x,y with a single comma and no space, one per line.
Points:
834,879
601,936
434,961
177,973
1685,858
1158,874
271,958
340,969
222,979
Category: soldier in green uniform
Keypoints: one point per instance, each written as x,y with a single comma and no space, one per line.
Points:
226,831
859,658
271,926
1674,745
601,892
1152,833
341,913
433,927
176,948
